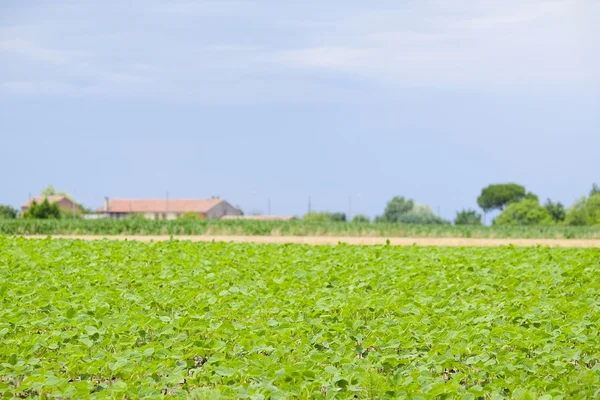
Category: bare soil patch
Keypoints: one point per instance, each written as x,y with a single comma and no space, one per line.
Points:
329,240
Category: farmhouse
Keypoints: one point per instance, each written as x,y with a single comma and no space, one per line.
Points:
63,202
167,208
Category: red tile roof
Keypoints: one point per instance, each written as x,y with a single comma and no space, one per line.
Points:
39,199
160,205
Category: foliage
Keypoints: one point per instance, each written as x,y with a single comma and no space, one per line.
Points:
361,219
315,216
496,197
136,217
586,211
525,212
43,210
467,217
7,212
79,209
190,216
51,191
595,189
113,319
141,226
405,211
421,215
395,208
556,210
532,196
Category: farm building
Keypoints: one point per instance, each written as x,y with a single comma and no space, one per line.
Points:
64,202
167,208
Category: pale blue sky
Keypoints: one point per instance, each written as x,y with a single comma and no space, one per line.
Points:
250,100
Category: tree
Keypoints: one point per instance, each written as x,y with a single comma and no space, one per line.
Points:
585,211
79,209
467,217
44,210
496,197
556,210
361,219
525,212
595,189
405,211
7,212
315,216
422,215
50,191
532,196
395,208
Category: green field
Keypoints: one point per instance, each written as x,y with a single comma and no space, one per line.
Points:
108,319
287,228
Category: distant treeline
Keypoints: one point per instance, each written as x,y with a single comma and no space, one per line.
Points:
517,207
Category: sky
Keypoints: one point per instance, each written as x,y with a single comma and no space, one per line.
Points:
346,102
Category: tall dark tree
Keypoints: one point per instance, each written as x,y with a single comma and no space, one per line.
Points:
7,212
44,210
396,208
556,210
525,212
496,197
467,217
360,218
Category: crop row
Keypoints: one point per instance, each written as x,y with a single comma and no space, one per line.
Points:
287,228
109,319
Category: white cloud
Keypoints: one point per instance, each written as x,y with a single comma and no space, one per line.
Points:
194,8
524,44
176,51
29,49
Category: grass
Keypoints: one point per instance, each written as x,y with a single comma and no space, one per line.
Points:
286,228
110,319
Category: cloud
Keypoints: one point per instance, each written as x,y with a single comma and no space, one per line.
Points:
518,44
28,49
294,51
194,8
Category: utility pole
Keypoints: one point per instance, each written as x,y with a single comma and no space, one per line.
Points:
167,205
350,208
269,206
309,205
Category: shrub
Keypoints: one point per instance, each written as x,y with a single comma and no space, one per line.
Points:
190,216
361,219
468,217
7,212
585,211
526,212
44,210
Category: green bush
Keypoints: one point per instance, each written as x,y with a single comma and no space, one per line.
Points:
468,217
190,216
315,216
556,210
44,210
7,212
526,212
585,211
361,219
